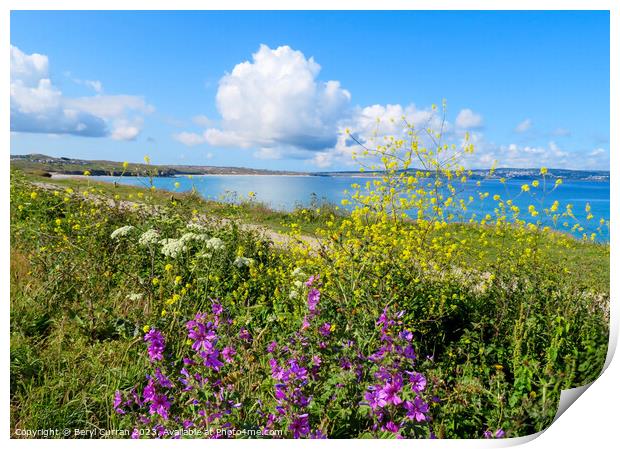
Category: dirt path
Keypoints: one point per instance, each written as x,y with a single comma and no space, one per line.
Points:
265,232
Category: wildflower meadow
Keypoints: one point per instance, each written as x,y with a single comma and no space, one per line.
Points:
399,313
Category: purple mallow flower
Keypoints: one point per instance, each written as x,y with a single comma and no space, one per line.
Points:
499,433
375,398
244,334
227,353
311,280
325,329
118,400
416,409
160,405
202,334
156,345
210,359
300,426
391,390
313,299
417,381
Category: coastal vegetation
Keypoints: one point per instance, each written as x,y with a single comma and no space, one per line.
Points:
161,314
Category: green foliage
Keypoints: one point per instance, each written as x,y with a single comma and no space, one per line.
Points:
504,312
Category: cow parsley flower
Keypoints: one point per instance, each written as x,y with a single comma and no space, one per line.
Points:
241,261
150,237
121,232
196,227
215,244
172,247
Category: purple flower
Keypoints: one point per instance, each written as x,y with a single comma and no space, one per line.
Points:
186,379
160,405
409,352
300,426
391,390
244,334
149,391
375,398
217,308
318,435
228,352
296,370
272,347
118,400
325,329
157,344
487,434
162,379
201,334
280,393
418,381
135,434
406,335
210,359
416,409
311,280
313,299
392,427
499,433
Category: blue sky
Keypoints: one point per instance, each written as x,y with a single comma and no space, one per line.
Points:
277,89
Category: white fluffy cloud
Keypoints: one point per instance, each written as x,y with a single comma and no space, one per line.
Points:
468,119
189,139
276,100
524,126
276,105
37,106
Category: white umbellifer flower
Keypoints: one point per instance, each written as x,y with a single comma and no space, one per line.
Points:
193,237
172,247
241,261
298,284
215,244
121,232
297,272
134,296
150,237
293,294
196,227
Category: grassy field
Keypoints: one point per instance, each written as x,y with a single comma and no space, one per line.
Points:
477,329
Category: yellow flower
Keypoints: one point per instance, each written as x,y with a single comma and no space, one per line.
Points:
543,171
146,328
86,173
525,188
155,281
33,195
177,185
125,164
168,267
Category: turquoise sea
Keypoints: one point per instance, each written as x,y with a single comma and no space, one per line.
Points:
287,192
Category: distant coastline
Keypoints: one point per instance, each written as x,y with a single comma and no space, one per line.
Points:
63,166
